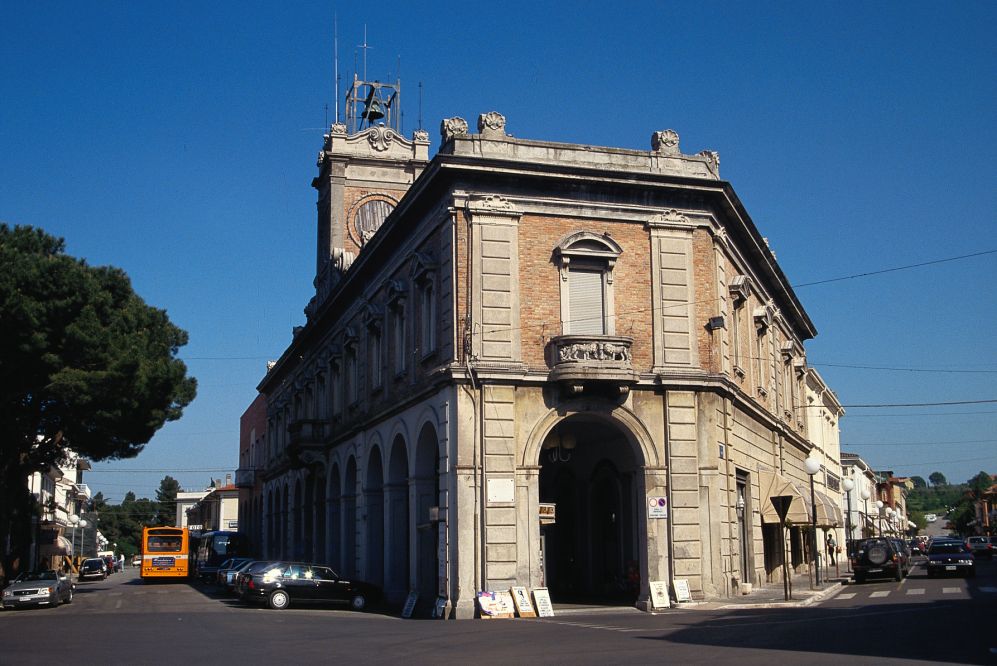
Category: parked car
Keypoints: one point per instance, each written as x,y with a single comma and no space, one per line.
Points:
284,582
93,567
244,576
903,550
38,588
111,563
232,576
981,546
950,557
879,557
222,575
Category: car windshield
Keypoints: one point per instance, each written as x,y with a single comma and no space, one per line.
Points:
36,575
945,549
978,539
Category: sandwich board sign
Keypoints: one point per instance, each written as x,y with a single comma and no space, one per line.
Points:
541,598
410,604
659,594
496,605
524,607
682,589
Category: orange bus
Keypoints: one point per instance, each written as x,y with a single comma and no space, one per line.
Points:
165,553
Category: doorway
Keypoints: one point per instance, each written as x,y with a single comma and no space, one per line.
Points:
588,470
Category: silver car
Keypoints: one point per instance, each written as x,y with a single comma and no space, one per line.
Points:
38,588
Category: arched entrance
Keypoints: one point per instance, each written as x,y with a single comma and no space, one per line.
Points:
374,505
427,494
588,469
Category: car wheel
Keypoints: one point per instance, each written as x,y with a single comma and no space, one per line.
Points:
69,597
279,600
900,574
859,578
358,602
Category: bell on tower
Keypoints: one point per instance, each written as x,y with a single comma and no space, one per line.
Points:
372,102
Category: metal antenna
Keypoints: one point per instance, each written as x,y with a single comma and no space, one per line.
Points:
335,58
420,105
364,47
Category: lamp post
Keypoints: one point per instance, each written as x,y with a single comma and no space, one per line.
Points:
812,466
865,508
74,520
879,515
889,518
848,485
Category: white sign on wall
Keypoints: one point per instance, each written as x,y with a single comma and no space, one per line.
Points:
501,491
657,507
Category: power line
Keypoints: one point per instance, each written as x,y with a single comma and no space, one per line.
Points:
922,404
897,268
894,369
963,441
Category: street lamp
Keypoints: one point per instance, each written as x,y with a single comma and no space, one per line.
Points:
812,465
74,520
889,518
848,485
865,508
879,514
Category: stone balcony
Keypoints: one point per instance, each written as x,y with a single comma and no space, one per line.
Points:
306,441
578,361
245,477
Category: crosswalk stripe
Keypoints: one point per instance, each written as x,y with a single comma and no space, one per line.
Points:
915,591
951,590
879,594
846,595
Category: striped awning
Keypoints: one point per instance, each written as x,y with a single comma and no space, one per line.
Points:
60,546
828,513
772,484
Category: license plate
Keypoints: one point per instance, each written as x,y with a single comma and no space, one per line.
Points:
950,568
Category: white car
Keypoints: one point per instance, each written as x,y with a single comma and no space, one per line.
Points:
931,517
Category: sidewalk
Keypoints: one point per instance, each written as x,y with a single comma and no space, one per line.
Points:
772,595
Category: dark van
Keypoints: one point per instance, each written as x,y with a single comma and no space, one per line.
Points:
213,548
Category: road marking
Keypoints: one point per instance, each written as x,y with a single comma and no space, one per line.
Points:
880,594
118,605
951,590
846,595
916,591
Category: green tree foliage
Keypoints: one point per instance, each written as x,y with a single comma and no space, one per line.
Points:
937,479
86,364
166,497
919,482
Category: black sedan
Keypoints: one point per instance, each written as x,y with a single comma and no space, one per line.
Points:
301,582
950,557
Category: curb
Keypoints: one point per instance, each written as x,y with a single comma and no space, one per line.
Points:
811,600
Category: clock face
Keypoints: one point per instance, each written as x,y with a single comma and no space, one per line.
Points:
368,217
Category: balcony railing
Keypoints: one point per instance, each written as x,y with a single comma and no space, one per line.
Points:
245,477
306,440
583,359
82,490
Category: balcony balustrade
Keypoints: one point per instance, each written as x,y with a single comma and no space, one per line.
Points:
580,360
306,441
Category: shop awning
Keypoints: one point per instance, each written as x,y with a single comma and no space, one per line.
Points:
772,485
828,513
60,546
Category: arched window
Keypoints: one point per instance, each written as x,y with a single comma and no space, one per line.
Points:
586,261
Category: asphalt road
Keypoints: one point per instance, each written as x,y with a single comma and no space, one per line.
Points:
123,621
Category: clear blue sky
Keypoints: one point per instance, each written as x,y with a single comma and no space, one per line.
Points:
177,141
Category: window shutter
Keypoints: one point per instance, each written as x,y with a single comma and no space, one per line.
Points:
585,302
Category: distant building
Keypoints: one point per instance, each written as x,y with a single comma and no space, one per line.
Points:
185,501
61,496
249,477
218,509
539,364
862,513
